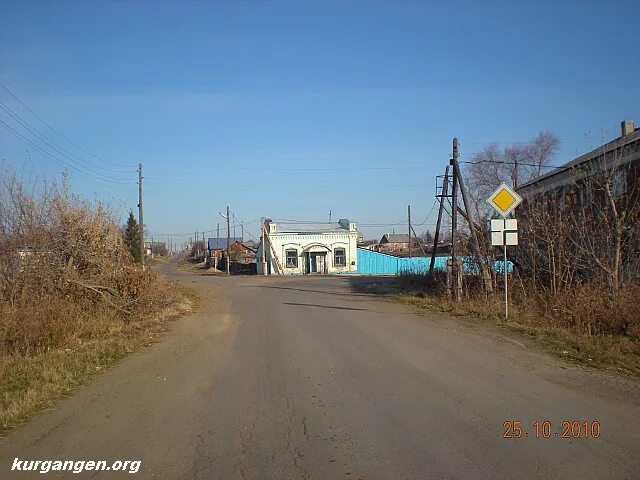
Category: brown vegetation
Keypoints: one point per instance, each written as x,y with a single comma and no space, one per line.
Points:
72,300
576,279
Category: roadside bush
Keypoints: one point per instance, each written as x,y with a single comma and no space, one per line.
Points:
72,299
65,274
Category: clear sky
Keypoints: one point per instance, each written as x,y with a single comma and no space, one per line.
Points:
290,109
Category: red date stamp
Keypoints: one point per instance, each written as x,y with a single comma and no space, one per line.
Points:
545,429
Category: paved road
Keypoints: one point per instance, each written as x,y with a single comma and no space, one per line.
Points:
299,378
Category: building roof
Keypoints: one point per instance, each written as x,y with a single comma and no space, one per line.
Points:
310,227
245,245
216,243
395,238
567,172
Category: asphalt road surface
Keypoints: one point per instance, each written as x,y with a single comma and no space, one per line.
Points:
303,378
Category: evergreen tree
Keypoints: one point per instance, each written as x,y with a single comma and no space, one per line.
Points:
132,237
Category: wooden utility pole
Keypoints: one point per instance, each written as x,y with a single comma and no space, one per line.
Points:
242,231
418,241
436,235
409,219
228,242
484,268
455,274
140,215
217,246
262,251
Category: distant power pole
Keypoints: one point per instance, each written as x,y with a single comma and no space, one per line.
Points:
228,242
329,215
242,232
409,218
234,226
140,216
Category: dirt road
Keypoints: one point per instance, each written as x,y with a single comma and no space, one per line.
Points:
299,378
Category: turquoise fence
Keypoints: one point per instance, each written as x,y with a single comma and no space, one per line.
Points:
376,263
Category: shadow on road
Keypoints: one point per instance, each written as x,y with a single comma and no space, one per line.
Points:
326,292
323,306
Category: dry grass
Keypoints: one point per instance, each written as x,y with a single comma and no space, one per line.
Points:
72,299
84,346
582,325
191,265
157,260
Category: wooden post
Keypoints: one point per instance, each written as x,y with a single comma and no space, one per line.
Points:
457,294
409,219
436,235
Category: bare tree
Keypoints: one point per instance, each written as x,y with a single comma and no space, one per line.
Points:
514,165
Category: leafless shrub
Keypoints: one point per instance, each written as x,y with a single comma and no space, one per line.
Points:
65,274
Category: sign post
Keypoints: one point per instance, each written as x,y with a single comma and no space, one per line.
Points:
504,231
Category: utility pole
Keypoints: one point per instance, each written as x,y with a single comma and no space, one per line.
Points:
409,218
484,268
204,249
234,226
436,235
228,241
454,223
140,216
262,251
242,231
329,215
217,247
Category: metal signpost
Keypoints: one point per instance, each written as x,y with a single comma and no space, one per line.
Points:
504,231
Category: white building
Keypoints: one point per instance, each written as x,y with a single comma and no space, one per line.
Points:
306,248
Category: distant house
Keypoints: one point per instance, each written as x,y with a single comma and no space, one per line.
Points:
308,248
155,249
242,253
217,250
217,245
392,242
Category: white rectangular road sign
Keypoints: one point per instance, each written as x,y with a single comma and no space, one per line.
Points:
504,231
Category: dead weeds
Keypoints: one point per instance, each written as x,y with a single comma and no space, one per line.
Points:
583,327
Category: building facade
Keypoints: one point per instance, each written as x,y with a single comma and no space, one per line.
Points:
309,248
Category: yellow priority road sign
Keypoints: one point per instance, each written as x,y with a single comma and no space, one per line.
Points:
504,200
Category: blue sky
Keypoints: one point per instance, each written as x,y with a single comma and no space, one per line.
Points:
290,109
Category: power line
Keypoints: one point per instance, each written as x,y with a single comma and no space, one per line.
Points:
51,144
116,164
477,162
89,174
